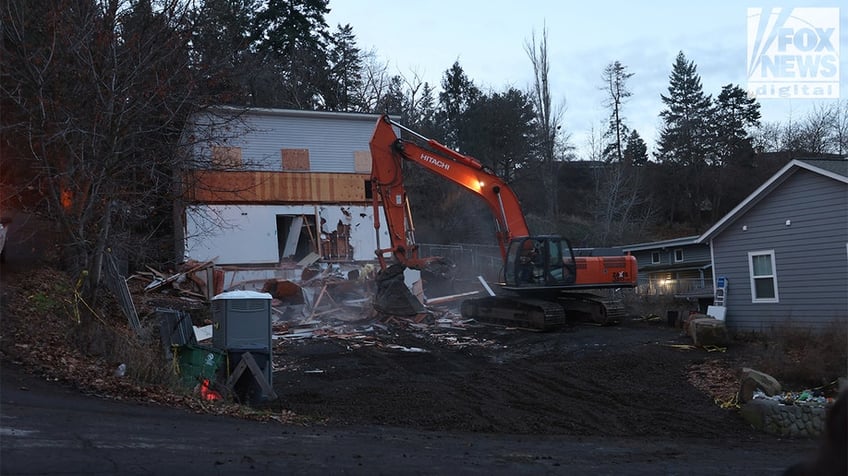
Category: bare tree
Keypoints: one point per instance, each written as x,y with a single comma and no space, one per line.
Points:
817,129
594,144
374,83
615,78
94,97
823,130
840,127
549,116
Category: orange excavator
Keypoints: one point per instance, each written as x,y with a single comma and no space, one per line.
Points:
542,283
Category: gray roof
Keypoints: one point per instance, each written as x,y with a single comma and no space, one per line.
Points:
837,166
296,113
836,169
653,245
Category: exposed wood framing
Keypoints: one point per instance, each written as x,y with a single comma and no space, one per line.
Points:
209,186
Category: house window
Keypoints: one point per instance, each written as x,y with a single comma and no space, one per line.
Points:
226,157
763,276
678,255
655,257
295,159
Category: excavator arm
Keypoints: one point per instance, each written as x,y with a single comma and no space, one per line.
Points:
388,152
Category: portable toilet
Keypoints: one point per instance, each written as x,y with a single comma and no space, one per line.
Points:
241,323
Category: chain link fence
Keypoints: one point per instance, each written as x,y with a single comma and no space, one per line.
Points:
471,260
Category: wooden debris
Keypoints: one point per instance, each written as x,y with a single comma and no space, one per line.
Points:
248,362
450,298
159,282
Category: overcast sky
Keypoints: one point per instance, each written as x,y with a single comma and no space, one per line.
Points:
488,38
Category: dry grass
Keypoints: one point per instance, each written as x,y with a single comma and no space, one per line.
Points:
800,358
42,322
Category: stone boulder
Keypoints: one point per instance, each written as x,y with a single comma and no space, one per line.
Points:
708,331
689,327
753,380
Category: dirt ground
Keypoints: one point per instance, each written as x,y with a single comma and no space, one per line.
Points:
638,384
639,377
632,379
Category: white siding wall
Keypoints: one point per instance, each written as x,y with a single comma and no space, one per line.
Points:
331,140
247,234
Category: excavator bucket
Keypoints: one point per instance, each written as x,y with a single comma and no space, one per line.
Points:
392,296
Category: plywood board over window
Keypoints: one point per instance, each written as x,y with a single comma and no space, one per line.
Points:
295,159
362,161
226,157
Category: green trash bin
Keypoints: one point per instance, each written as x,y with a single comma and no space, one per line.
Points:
195,363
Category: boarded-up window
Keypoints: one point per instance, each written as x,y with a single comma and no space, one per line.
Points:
226,157
362,161
295,159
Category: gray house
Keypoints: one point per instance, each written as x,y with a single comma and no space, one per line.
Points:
783,251
679,267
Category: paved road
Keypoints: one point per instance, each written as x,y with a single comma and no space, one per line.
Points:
46,428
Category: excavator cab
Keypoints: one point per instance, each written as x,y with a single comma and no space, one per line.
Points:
540,261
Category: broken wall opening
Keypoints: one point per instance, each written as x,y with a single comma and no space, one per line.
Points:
335,242
296,236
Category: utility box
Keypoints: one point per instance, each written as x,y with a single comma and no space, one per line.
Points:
241,320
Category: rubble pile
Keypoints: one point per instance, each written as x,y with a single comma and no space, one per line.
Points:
326,302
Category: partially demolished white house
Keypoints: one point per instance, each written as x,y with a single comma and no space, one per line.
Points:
274,187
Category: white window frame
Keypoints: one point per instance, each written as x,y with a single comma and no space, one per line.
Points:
658,254
772,276
678,250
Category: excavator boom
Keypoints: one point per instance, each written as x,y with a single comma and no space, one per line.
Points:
388,153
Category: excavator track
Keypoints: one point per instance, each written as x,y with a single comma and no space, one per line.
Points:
515,311
545,313
590,307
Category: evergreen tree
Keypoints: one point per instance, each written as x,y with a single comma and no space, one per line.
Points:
635,151
735,114
345,80
458,95
500,130
685,133
222,43
293,40
685,144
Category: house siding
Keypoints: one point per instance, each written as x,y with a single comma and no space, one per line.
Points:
331,141
691,254
247,234
690,278
811,258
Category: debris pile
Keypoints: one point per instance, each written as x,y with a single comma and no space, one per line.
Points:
319,301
